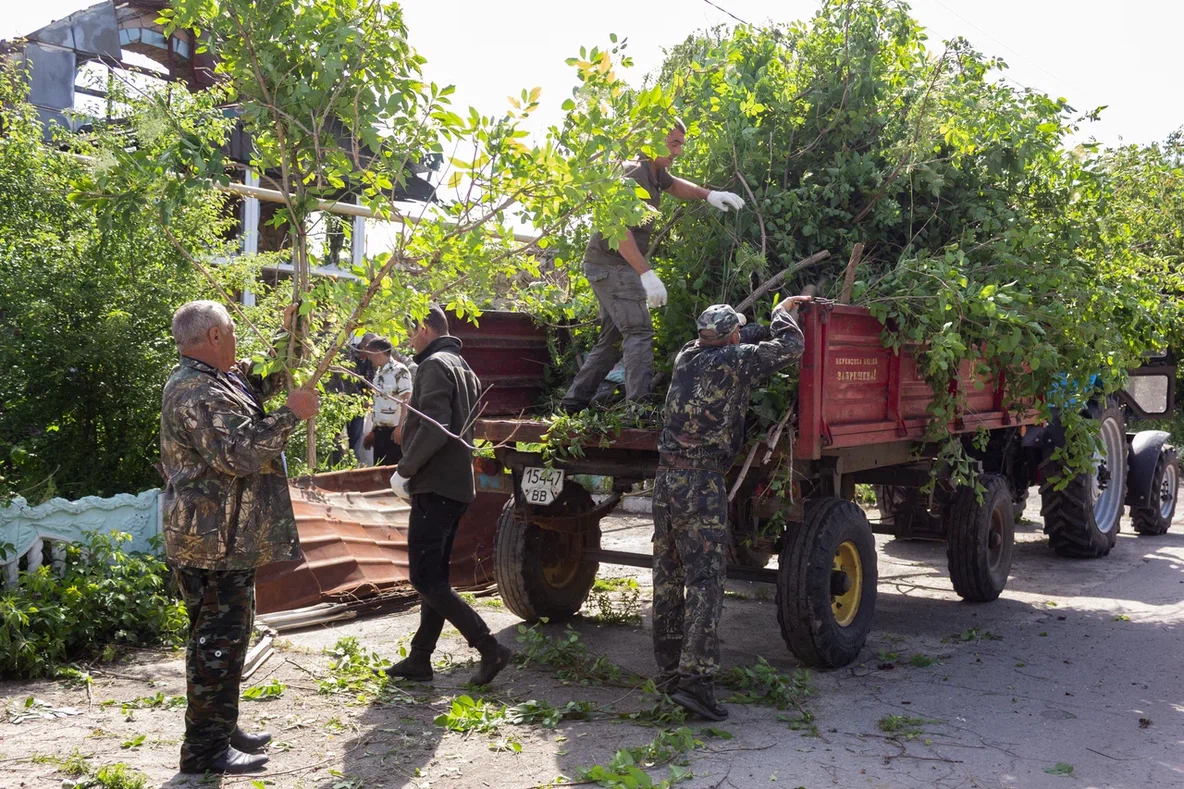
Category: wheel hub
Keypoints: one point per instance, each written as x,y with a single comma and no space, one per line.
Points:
1167,491
561,558
846,583
1107,485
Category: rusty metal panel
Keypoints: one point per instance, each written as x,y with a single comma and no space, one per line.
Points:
507,351
354,534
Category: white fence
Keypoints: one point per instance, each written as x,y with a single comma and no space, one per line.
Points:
42,532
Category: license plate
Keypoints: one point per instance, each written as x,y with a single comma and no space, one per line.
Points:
541,486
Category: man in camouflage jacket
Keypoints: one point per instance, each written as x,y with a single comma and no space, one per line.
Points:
702,435
226,512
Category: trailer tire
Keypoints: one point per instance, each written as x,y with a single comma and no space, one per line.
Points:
1078,524
833,550
542,573
980,539
1165,487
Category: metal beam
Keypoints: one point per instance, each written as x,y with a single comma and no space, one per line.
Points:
628,559
328,206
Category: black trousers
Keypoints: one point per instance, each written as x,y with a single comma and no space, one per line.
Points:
386,451
434,521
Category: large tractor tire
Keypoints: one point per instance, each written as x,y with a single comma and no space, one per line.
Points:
1082,519
542,573
980,539
1165,487
826,584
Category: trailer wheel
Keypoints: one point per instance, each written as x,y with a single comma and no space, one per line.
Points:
541,572
1165,486
980,539
1082,520
826,584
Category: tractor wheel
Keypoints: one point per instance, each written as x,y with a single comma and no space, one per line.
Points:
1165,485
1082,519
826,584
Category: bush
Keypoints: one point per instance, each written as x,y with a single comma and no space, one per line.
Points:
106,597
85,318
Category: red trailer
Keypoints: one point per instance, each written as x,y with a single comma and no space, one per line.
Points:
862,418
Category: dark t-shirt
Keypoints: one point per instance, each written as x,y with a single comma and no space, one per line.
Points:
599,251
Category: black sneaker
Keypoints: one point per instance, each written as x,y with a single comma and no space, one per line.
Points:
417,666
701,702
492,663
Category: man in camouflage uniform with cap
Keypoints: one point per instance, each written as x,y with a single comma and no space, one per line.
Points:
226,512
702,435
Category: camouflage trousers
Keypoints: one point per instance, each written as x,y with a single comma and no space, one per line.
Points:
690,535
221,606
625,321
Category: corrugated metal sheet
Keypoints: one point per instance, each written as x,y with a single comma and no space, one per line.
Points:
354,534
508,352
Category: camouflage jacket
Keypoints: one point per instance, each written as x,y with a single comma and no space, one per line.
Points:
226,503
710,387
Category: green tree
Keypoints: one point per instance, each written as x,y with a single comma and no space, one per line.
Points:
85,312
333,96
988,242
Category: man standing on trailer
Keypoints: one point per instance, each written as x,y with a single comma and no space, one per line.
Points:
702,435
627,288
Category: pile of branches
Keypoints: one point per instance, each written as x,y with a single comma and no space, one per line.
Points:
987,237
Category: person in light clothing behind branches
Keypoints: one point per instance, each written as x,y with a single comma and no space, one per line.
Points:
392,389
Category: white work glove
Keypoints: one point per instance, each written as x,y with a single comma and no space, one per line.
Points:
655,291
399,486
725,200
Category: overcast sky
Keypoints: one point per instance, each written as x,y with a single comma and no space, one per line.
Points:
1122,54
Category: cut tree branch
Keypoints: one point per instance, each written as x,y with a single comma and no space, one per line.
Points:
777,279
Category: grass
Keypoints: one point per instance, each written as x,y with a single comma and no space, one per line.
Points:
614,601
922,661
902,726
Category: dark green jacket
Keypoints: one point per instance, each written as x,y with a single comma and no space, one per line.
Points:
710,389
446,390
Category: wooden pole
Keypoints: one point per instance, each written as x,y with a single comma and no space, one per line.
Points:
849,281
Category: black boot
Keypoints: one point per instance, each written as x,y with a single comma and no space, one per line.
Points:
416,666
247,742
234,762
666,681
494,658
572,408
700,699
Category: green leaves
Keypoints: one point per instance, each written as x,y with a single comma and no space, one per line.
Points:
105,597
268,692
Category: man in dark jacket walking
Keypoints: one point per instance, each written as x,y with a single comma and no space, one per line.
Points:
436,476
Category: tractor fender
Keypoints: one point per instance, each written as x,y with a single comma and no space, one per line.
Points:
1144,452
